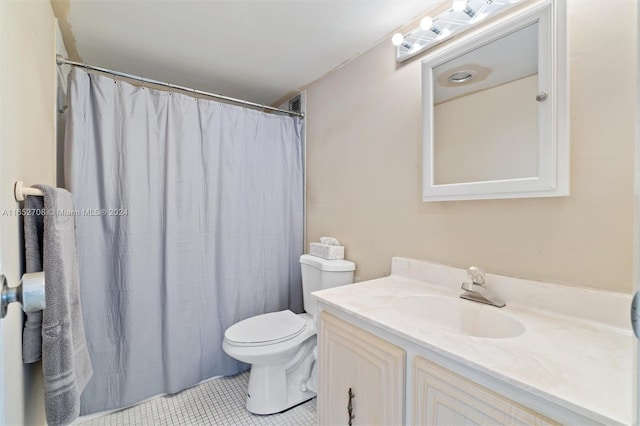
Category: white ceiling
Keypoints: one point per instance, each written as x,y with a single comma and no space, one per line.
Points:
256,50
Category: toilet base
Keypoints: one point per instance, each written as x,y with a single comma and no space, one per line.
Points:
276,387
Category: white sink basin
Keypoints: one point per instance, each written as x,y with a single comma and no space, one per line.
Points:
457,316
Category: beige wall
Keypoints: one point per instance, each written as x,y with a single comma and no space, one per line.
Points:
27,152
364,169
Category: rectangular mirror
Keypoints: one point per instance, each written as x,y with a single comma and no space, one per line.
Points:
495,110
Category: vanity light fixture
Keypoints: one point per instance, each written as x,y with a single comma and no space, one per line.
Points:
448,24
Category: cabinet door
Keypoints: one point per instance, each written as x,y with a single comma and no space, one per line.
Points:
441,397
372,368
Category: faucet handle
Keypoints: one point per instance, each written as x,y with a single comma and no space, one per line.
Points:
477,275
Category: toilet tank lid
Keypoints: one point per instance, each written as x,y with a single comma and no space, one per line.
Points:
338,265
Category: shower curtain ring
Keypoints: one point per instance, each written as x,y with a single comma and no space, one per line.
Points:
195,94
142,78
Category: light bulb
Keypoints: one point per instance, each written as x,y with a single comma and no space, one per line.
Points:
459,5
462,6
426,23
397,39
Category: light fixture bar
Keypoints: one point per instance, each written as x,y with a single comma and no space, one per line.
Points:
449,23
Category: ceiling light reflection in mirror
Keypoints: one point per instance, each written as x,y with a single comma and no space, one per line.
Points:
462,15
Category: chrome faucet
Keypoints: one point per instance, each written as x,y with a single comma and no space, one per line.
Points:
476,290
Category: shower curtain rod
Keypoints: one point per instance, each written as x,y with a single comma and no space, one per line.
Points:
60,60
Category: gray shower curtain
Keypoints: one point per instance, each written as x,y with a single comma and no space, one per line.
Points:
190,219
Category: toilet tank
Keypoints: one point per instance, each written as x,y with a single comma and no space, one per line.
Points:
319,274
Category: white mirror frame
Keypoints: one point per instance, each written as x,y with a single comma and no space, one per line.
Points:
553,144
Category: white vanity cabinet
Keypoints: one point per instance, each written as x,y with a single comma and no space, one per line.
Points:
372,368
442,397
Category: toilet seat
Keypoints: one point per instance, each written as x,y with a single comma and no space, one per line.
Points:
266,329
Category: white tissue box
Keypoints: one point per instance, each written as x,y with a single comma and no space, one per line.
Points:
326,251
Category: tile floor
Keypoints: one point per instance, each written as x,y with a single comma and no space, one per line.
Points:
216,402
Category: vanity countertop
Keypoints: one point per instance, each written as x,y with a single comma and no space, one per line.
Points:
577,363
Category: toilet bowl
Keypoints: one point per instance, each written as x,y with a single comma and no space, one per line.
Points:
280,346
280,364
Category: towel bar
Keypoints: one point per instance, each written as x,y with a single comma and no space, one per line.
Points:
29,293
20,191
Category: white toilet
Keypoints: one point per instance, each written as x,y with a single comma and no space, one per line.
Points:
281,346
